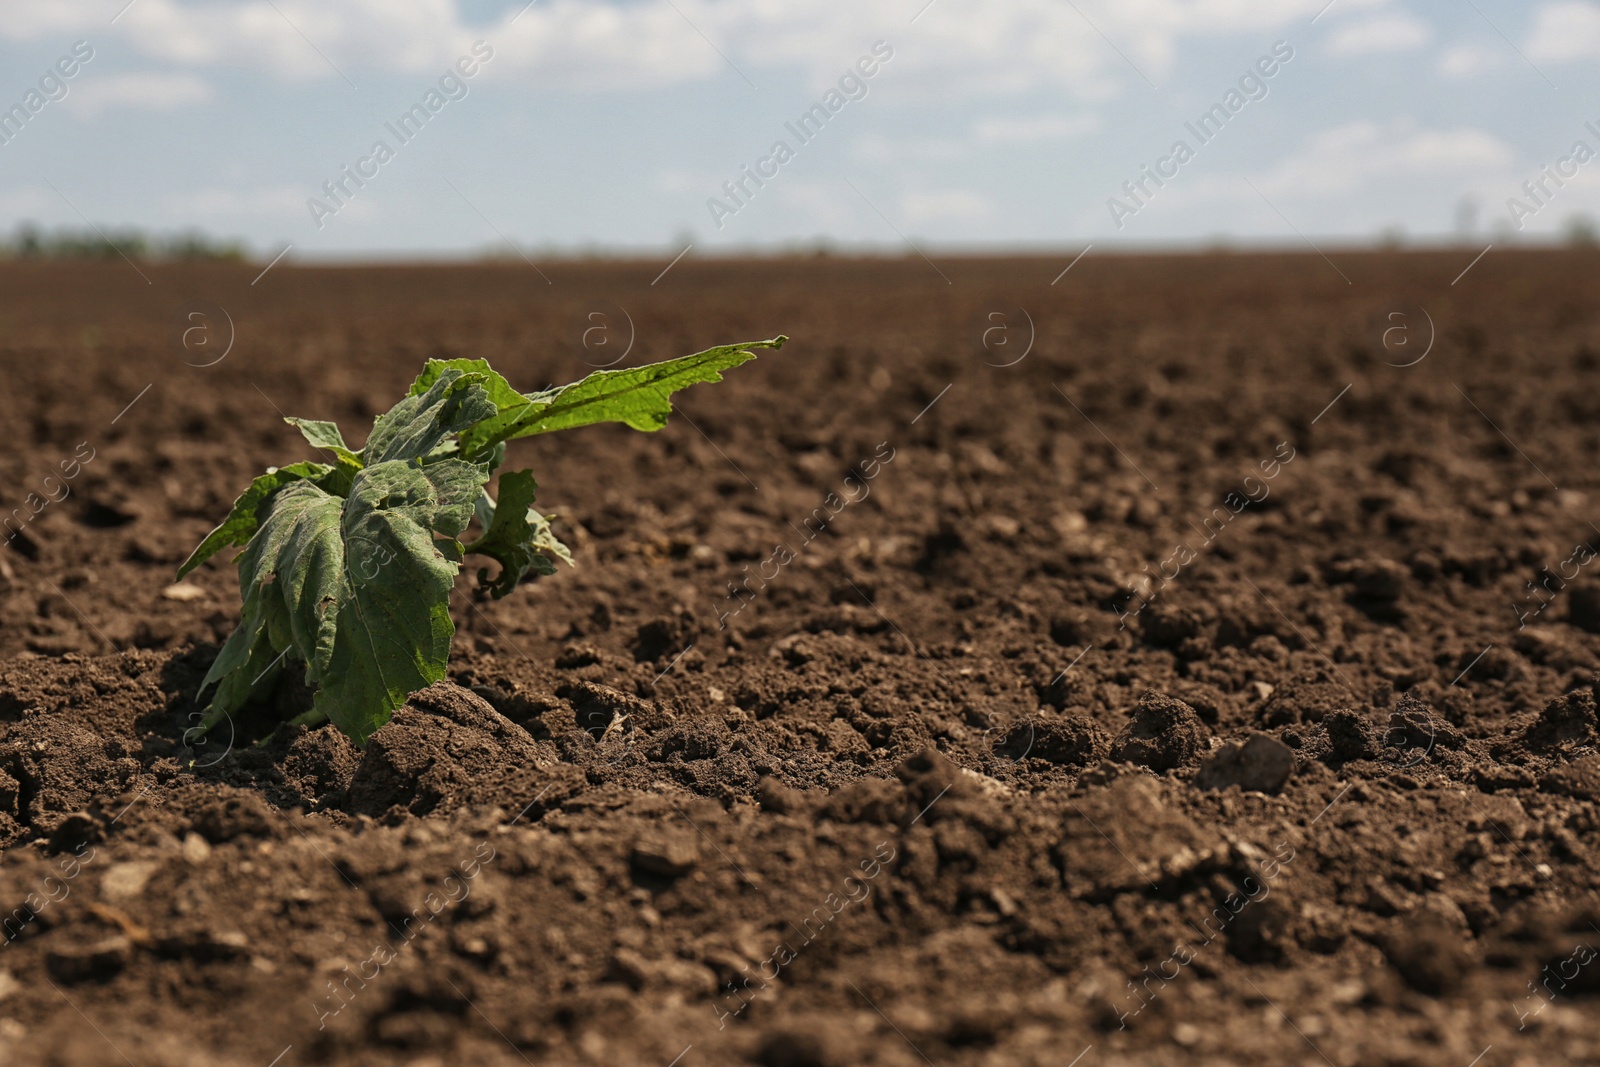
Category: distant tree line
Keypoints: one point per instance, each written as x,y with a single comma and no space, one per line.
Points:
29,241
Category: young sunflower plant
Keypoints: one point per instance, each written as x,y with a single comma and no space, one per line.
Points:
348,565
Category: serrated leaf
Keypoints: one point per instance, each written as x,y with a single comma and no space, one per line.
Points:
356,589
420,423
516,536
242,521
640,397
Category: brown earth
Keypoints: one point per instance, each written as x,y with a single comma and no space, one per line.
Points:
919,795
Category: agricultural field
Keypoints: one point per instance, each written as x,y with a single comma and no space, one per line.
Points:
1189,660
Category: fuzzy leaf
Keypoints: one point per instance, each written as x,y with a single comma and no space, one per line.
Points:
420,423
357,589
515,535
242,522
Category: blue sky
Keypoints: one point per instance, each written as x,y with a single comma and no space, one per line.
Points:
613,125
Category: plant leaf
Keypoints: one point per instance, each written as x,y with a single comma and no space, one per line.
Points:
420,423
640,397
545,540
509,404
347,569
515,535
242,522
356,589
319,433
326,436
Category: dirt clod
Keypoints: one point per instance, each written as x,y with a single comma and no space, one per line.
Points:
666,853
95,961
445,747
1163,733
1068,739
1260,763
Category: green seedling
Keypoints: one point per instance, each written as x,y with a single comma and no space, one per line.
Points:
348,565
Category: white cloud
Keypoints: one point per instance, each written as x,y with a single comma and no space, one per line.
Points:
31,22
876,148
984,134
826,207
1469,60
278,201
1030,129
1350,178
1345,158
975,47
299,39
1396,32
947,205
149,91
1565,31
572,45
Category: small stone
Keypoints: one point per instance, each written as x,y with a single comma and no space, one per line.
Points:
1004,902
8,985
1348,992
126,880
629,968
1162,734
196,849
235,939
1186,1034
669,855
183,592
1261,764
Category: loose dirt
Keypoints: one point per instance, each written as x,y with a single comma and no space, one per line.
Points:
1170,677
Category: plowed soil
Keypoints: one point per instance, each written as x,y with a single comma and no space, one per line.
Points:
1145,668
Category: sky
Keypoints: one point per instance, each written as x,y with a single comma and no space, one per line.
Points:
613,125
